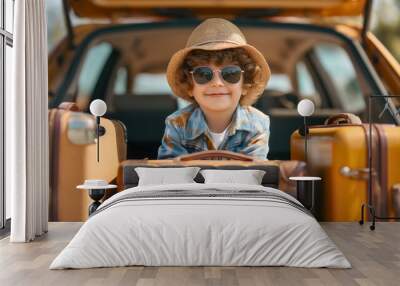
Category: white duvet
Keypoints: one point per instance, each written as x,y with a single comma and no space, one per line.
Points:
182,231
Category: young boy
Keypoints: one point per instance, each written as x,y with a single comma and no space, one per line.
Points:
222,76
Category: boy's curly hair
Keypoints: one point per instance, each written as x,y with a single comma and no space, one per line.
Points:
236,56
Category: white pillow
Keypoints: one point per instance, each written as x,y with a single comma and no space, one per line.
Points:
164,176
249,177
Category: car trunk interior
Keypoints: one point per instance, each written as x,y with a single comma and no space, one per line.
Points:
137,55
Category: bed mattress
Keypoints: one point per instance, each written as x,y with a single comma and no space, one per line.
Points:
201,225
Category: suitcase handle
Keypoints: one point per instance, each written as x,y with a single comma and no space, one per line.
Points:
343,118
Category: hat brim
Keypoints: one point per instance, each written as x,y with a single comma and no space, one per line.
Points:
176,61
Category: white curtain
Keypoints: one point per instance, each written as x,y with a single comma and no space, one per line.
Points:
27,161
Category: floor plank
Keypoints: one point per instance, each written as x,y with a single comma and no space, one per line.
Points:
374,255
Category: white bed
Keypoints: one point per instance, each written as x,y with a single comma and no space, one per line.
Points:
249,225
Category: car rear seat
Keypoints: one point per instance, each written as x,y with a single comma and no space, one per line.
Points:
144,117
71,164
284,121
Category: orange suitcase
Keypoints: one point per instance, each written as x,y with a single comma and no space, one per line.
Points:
339,154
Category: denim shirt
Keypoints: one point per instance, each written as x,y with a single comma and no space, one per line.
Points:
186,131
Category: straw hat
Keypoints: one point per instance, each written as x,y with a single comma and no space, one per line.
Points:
212,35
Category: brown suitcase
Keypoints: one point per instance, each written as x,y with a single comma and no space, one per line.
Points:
339,154
73,162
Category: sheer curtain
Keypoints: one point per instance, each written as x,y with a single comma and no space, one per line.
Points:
27,160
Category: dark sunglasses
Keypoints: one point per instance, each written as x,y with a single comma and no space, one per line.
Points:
204,74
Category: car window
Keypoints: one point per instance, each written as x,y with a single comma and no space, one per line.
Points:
280,82
338,66
150,84
147,84
121,81
93,64
155,84
306,86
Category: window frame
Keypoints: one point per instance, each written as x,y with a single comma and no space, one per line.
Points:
6,39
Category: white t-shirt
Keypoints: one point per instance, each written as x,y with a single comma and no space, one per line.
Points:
217,138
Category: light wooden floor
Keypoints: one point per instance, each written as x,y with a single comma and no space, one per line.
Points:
375,257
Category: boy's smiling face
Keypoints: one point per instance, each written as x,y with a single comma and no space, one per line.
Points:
217,95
